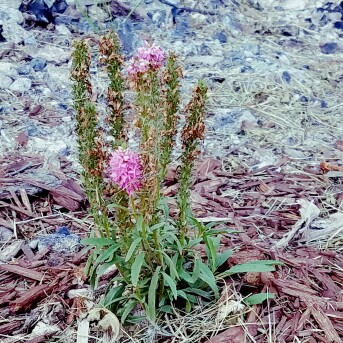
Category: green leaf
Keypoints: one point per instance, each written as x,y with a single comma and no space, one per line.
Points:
258,298
207,276
167,309
139,223
267,262
186,276
98,242
172,267
223,257
164,207
132,248
198,292
196,268
171,283
113,294
201,228
102,269
136,268
129,306
253,266
107,254
89,263
194,242
176,240
157,226
151,310
211,251
117,206
188,297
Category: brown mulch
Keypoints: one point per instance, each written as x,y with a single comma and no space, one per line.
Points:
262,205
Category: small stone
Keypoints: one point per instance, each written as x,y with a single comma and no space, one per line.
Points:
30,41
197,20
159,17
5,234
81,292
62,30
21,85
43,329
10,251
303,98
46,92
98,14
49,2
57,77
38,64
51,53
33,244
338,25
25,70
127,35
11,31
221,36
329,48
286,76
59,6
39,9
254,49
247,70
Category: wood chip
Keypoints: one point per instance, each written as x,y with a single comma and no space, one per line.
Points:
30,298
27,273
325,324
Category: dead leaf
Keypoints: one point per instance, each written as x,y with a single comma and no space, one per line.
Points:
22,139
326,167
309,212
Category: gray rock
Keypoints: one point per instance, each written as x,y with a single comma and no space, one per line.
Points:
286,76
49,2
230,121
25,70
5,234
5,81
11,31
57,77
51,53
98,14
221,36
60,243
62,30
329,48
159,17
8,69
253,49
38,64
126,33
30,41
338,25
21,85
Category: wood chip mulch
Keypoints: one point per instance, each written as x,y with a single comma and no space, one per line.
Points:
262,205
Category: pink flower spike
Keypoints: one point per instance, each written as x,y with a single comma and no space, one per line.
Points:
125,170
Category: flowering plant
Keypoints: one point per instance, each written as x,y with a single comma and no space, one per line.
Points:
159,267
125,170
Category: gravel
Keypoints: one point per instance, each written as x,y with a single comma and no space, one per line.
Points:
272,67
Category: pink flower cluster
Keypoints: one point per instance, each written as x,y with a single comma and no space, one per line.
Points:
148,57
126,170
